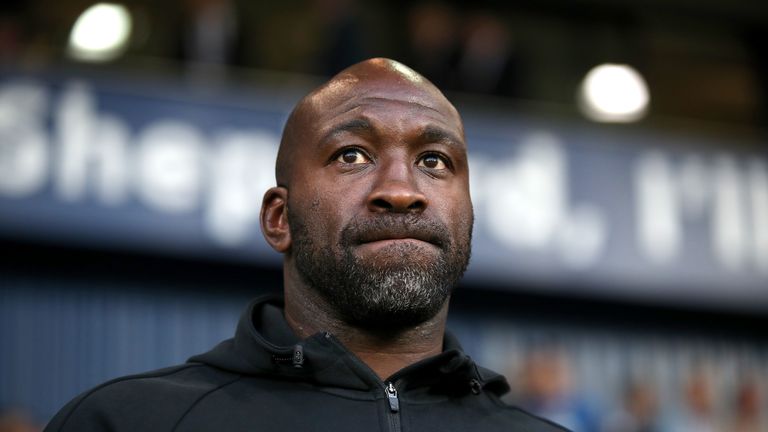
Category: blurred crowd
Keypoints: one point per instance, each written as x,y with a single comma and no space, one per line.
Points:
528,51
465,49
16,420
699,401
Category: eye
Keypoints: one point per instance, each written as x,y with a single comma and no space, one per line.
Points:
352,156
433,161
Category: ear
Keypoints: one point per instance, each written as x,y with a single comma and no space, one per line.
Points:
274,219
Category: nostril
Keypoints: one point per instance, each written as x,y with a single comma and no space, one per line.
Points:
397,198
416,205
381,203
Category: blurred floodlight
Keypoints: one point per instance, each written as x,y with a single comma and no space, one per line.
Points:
613,93
100,33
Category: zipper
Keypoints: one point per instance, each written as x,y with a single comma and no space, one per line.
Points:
394,406
390,391
394,402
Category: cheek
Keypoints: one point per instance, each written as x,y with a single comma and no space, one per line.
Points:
457,213
333,199
319,215
454,204
464,220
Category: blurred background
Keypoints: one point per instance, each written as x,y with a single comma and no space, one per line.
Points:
619,173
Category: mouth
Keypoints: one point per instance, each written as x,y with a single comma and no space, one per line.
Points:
384,232
404,248
385,238
393,241
401,245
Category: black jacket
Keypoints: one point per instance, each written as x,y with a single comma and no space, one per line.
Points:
266,379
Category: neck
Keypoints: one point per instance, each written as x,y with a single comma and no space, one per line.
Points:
384,351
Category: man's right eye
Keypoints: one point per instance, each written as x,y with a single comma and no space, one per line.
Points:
353,156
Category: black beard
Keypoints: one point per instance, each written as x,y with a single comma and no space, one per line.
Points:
392,293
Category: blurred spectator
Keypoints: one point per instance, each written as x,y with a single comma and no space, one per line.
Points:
10,30
210,36
488,63
548,391
432,29
342,39
747,416
12,420
639,411
698,413
756,41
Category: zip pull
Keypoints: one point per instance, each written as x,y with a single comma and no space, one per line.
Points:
394,402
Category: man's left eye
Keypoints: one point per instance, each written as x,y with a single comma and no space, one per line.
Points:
432,161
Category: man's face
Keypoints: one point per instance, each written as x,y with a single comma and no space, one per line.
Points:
379,208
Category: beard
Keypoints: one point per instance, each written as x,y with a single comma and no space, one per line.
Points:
400,286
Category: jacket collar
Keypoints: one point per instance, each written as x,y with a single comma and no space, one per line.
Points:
265,345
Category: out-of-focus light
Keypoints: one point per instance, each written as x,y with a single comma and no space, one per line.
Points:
614,93
100,33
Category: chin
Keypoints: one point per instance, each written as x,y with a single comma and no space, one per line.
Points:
394,299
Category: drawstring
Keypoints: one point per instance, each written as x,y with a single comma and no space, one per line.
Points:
475,386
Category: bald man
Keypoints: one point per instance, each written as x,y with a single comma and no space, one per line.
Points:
373,216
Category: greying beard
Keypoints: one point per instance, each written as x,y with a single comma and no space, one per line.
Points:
380,294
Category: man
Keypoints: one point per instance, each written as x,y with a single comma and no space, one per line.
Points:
373,215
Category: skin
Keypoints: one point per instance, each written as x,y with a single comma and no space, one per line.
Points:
376,139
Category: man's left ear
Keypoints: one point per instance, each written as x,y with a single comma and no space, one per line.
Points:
274,219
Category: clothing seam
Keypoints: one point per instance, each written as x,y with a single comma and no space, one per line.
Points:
119,380
198,400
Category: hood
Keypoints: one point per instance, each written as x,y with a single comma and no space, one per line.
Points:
264,345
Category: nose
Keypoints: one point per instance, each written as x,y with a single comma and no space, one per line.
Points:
395,191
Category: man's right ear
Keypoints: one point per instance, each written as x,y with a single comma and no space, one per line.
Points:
274,219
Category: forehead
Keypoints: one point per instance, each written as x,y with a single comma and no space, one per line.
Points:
396,100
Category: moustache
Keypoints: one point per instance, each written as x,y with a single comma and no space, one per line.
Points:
392,226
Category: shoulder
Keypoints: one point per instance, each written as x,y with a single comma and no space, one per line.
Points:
529,422
503,416
510,417
154,400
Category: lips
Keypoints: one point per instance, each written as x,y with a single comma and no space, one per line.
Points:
383,229
397,240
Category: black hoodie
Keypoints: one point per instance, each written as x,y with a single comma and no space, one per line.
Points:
266,379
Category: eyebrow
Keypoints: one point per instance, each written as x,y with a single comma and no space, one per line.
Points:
436,134
359,126
430,134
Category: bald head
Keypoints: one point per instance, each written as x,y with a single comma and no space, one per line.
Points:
376,78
